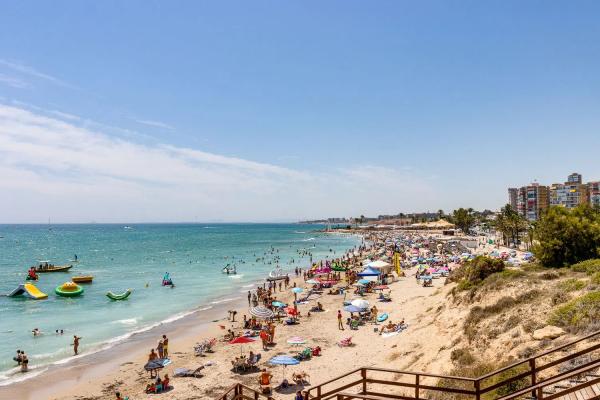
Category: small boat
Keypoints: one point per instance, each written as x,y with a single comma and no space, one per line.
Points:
45,266
68,289
82,279
121,296
276,274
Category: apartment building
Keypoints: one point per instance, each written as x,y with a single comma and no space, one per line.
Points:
569,194
594,193
532,200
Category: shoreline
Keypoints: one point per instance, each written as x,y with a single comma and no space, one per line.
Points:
57,378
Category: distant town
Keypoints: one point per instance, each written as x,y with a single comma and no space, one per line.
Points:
530,201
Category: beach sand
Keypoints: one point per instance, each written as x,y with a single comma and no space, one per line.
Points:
414,348
433,327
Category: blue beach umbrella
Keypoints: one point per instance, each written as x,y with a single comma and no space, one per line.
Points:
297,290
353,309
278,304
364,281
284,360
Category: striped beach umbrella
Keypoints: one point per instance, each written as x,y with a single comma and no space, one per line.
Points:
261,312
296,340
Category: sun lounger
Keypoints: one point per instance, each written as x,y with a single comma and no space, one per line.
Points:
186,372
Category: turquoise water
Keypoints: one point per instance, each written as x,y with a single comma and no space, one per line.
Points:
121,258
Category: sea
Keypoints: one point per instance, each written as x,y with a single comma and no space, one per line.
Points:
122,257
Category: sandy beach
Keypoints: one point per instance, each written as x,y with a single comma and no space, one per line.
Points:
433,325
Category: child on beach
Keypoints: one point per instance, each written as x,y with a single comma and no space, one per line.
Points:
160,348
165,346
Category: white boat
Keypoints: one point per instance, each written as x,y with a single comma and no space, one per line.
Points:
276,274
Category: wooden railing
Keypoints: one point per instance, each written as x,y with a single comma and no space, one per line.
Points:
527,375
242,392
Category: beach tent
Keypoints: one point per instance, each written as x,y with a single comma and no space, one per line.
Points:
369,272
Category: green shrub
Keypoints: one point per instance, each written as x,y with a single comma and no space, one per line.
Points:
462,357
475,271
571,285
595,279
579,313
588,266
567,236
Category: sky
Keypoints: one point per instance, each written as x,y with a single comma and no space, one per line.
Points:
194,111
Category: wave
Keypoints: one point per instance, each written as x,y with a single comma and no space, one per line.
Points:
236,276
127,321
309,239
227,300
11,376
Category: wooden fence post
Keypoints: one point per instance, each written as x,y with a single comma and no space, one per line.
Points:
533,375
477,390
363,373
417,386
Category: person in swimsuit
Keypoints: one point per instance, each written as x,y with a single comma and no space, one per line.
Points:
160,348
265,381
75,343
165,346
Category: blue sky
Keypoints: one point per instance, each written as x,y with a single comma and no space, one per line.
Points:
293,109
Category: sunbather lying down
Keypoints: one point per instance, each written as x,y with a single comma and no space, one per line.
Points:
391,327
300,378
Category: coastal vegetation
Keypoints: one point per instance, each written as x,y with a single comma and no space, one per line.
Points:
567,236
475,271
580,314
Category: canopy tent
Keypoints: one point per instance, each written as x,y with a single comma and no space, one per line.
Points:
380,265
369,272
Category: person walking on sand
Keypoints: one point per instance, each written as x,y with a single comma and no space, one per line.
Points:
249,298
165,346
75,343
160,348
340,322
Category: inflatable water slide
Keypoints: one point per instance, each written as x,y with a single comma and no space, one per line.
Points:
28,290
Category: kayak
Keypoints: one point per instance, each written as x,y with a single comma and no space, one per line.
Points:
121,296
382,317
68,289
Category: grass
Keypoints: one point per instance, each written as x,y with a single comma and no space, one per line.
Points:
478,313
595,278
578,314
590,267
571,285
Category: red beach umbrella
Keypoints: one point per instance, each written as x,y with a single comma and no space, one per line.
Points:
291,311
241,340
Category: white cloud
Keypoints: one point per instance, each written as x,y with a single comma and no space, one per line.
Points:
156,124
13,82
30,71
70,172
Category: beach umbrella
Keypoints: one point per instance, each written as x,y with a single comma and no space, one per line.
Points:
353,309
312,282
284,360
360,303
241,340
261,312
291,311
297,290
278,304
364,281
296,340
